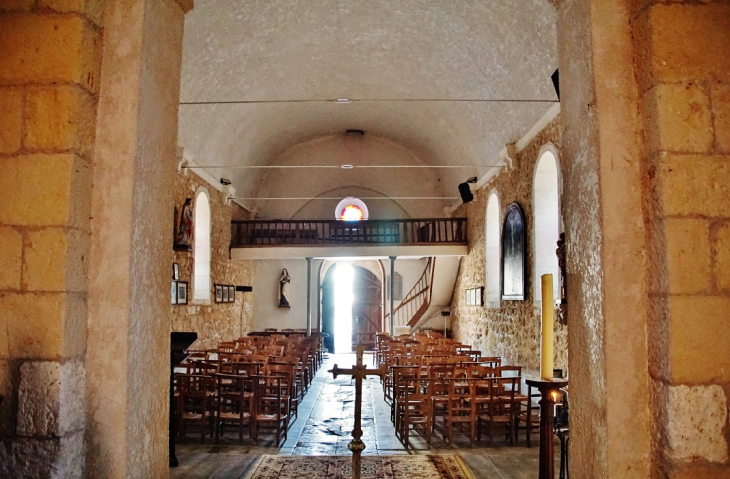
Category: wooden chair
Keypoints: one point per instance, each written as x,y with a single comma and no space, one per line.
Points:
417,414
201,368
499,410
400,374
491,361
288,373
234,404
460,411
477,371
439,395
195,403
246,369
507,371
272,407
527,413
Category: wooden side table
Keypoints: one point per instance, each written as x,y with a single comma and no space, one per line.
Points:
547,403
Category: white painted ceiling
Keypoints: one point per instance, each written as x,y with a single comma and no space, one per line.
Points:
413,69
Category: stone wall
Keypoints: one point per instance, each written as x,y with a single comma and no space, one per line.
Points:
684,86
213,322
49,84
512,330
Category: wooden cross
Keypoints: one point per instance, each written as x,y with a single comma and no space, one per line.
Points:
358,372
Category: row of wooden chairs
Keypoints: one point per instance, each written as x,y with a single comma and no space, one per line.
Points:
432,378
229,387
213,403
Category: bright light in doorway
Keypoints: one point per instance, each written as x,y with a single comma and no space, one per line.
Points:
344,274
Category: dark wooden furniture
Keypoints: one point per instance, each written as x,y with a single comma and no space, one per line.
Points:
179,343
546,388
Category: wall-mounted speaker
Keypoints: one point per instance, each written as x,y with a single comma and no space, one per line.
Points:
465,192
556,83
244,289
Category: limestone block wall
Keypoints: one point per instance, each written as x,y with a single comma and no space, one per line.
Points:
214,322
684,85
49,83
512,330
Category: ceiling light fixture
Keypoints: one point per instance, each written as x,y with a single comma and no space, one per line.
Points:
342,101
347,167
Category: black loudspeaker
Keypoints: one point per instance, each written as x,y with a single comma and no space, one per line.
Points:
465,192
556,82
245,289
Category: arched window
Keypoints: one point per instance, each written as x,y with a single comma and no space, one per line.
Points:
547,222
351,209
201,252
492,236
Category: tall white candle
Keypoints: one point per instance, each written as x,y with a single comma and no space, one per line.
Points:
546,333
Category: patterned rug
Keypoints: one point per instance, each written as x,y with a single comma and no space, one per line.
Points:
449,466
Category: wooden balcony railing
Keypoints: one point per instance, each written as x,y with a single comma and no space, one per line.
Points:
332,233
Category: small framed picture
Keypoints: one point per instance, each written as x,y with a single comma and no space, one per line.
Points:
175,271
182,292
232,294
225,293
218,293
479,295
173,293
468,297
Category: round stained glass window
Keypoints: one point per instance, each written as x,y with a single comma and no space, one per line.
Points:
351,213
351,209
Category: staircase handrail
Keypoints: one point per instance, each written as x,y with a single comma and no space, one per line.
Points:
417,297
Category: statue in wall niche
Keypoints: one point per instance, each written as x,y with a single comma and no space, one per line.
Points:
284,281
184,233
560,253
563,309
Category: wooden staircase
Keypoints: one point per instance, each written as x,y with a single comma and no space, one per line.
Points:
415,304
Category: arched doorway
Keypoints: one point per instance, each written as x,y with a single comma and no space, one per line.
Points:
366,311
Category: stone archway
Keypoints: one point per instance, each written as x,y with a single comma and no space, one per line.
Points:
631,138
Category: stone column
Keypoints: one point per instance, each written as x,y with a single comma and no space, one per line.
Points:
309,296
49,82
684,88
131,250
645,111
392,277
603,199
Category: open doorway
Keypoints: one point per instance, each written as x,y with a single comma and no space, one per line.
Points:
344,275
352,305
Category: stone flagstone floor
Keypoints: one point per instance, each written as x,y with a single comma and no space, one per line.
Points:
324,426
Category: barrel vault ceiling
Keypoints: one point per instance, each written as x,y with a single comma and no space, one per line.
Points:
430,83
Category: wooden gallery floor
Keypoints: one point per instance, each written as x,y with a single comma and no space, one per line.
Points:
324,426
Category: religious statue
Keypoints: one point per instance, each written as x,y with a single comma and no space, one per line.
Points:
563,309
184,233
284,281
560,252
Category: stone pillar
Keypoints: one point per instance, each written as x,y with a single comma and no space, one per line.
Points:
684,86
392,278
603,177
309,296
49,80
645,166
131,248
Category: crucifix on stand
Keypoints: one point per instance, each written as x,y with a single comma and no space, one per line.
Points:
358,372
